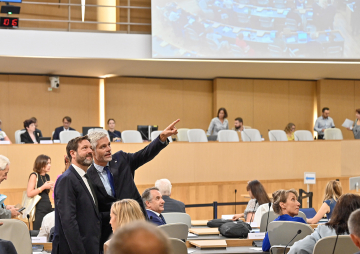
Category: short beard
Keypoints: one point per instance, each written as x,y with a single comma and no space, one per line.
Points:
83,161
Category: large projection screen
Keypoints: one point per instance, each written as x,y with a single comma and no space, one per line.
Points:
256,29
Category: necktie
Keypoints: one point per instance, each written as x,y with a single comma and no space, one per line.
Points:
162,218
111,180
92,189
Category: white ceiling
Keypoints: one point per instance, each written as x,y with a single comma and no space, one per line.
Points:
194,69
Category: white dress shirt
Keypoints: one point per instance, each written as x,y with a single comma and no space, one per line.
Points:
104,178
47,224
82,173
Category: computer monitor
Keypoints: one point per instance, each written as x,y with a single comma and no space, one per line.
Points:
145,131
354,183
86,129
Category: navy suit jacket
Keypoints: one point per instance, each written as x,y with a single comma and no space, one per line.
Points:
77,219
154,218
7,247
56,135
122,167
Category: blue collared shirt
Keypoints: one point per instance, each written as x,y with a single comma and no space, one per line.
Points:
323,123
104,178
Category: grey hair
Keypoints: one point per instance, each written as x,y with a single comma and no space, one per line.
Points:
353,223
4,161
164,186
124,240
95,137
146,196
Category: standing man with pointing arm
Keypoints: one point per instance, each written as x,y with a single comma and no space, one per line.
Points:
113,175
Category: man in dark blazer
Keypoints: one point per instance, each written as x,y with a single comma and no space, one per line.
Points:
113,175
77,218
171,205
154,204
66,127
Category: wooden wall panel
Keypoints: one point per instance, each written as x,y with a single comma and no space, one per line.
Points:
267,104
301,104
28,96
339,96
142,101
237,96
357,94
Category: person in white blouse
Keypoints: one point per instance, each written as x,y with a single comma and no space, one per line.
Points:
47,224
218,123
3,136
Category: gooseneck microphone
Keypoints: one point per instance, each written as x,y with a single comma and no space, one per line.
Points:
28,217
252,214
235,200
272,135
337,236
267,222
246,135
297,233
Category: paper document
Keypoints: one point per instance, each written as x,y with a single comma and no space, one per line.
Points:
227,216
256,248
348,123
190,235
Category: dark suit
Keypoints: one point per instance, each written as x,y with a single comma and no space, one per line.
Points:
56,135
77,219
7,247
25,137
37,130
122,167
155,219
172,205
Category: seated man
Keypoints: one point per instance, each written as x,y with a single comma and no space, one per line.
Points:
66,127
354,228
9,211
139,237
239,124
154,205
171,205
47,224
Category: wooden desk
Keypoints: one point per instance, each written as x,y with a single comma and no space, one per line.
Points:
231,242
204,231
228,250
207,244
199,222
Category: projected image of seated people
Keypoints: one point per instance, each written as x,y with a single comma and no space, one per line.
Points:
256,29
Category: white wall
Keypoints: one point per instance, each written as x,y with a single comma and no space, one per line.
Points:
29,43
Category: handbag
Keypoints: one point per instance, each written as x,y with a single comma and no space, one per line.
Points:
30,203
235,229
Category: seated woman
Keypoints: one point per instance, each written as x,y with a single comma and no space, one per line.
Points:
115,136
333,191
289,130
337,226
3,136
31,136
218,123
123,212
258,197
287,206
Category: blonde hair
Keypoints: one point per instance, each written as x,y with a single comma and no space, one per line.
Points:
281,196
333,190
126,211
288,127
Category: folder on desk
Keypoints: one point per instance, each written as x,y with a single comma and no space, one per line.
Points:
209,244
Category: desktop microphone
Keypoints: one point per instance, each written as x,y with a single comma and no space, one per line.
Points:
235,200
253,212
337,236
267,222
246,135
272,135
297,233
28,217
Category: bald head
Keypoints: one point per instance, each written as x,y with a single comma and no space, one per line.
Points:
139,237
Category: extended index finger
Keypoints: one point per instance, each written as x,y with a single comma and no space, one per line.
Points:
173,124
